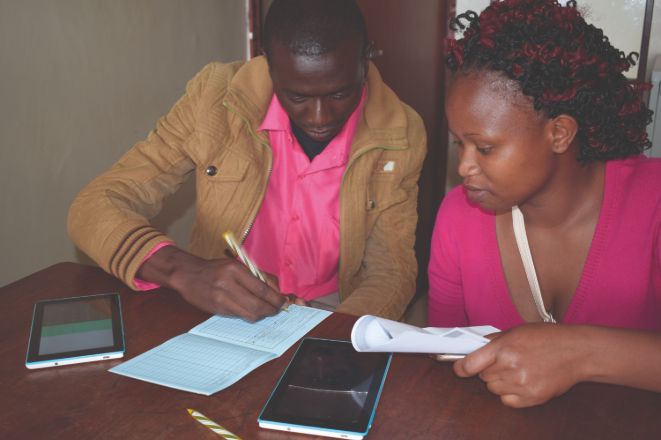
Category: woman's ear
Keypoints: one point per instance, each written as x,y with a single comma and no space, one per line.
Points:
563,132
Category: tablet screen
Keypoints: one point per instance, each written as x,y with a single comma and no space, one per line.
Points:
327,385
81,328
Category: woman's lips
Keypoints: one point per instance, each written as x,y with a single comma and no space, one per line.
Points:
474,193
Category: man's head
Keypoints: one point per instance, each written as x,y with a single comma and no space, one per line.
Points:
317,55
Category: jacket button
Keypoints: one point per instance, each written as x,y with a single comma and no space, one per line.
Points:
211,170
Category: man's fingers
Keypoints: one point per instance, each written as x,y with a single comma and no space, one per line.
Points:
255,293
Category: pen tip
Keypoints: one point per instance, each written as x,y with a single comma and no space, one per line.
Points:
190,411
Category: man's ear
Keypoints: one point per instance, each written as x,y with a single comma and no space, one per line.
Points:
563,132
371,51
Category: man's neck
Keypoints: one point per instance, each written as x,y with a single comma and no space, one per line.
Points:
311,147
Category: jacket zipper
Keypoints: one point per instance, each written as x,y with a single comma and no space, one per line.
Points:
270,169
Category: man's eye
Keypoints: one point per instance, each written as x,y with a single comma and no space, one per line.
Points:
297,99
457,143
340,96
484,150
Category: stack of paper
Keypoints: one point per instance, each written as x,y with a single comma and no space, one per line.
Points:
371,333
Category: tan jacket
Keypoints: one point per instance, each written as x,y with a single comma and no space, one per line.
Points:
214,124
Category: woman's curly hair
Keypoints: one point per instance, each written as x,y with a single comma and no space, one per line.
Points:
565,65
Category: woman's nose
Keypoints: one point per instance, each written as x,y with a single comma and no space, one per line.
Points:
468,165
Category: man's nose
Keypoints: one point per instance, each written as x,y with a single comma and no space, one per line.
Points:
319,115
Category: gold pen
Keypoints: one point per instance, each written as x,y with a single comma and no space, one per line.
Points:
238,251
215,427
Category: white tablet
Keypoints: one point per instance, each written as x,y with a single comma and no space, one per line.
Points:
74,330
328,389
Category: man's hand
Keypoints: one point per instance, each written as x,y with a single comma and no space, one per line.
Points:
224,286
528,365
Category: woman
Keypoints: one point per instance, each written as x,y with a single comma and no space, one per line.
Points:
558,219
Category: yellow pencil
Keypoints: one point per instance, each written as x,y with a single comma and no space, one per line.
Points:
215,427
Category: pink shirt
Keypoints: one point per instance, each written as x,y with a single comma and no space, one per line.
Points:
621,281
296,233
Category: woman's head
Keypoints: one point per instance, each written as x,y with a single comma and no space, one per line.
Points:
564,65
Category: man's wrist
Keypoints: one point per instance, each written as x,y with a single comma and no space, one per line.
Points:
165,266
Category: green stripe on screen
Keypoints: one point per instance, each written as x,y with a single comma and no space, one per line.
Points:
76,327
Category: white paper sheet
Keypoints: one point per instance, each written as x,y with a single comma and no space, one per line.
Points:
371,333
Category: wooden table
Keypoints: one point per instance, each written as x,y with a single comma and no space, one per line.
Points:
422,398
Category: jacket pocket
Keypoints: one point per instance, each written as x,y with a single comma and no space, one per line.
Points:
383,192
228,168
221,184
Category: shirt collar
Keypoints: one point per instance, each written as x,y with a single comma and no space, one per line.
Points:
276,117
337,151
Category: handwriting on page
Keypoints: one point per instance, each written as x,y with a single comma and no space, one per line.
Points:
267,334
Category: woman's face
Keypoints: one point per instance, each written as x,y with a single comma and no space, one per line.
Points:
504,145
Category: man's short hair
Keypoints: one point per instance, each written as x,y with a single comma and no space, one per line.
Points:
313,27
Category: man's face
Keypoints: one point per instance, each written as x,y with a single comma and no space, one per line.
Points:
319,93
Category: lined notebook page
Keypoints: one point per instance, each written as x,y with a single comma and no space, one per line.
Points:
220,351
274,334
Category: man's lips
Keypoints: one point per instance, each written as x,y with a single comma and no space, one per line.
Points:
320,135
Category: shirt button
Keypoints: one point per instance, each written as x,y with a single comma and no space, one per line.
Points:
295,217
211,170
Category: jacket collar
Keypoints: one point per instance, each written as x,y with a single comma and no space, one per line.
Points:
383,122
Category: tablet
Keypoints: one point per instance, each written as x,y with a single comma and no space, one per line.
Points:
74,330
328,389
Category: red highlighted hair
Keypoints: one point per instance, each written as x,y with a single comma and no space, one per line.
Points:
565,65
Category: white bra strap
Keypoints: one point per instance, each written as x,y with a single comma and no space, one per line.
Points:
524,249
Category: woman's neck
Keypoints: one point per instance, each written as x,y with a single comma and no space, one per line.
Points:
573,194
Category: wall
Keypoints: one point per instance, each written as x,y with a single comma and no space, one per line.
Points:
81,81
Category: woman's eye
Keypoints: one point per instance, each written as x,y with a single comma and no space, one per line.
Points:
484,150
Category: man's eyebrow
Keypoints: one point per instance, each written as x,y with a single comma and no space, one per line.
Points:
334,92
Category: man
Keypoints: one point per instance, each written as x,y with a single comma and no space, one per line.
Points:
305,154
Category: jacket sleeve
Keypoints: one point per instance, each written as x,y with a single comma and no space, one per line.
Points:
389,267
109,218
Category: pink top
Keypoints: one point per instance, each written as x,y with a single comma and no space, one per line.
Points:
621,281
296,233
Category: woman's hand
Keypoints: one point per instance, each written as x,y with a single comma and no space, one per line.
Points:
530,364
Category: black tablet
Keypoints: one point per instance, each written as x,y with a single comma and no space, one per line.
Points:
74,330
328,389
